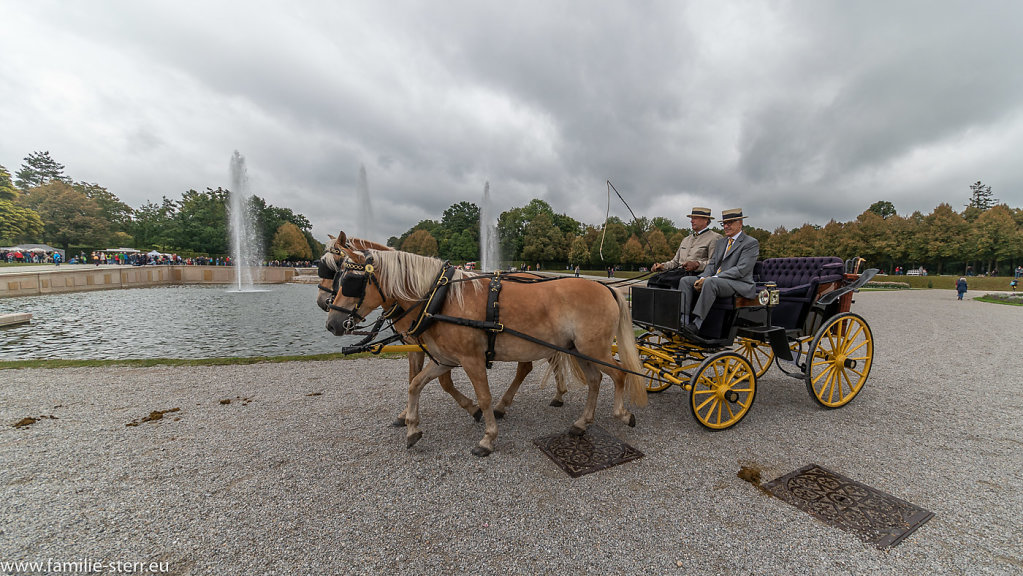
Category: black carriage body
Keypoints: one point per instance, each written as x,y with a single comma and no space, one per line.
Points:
801,318
799,282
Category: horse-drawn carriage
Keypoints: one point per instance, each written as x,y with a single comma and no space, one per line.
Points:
800,320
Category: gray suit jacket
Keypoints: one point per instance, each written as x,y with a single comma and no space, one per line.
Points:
737,265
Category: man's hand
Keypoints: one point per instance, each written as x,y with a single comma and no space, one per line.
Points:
657,267
698,285
691,265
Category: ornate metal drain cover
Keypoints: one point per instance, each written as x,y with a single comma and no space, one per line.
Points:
877,518
594,450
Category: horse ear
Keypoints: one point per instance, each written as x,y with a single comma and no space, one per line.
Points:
354,255
331,236
342,238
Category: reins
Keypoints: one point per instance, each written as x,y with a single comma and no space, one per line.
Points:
433,303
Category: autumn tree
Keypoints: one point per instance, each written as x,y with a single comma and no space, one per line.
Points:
945,234
420,242
290,244
69,216
632,252
995,236
657,249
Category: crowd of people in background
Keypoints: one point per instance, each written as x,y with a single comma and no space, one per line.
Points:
129,259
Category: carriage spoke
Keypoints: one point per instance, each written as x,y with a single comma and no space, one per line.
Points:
723,390
841,355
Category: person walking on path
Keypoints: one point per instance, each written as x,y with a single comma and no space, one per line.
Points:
961,287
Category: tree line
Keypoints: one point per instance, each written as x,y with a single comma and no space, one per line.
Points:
43,205
985,235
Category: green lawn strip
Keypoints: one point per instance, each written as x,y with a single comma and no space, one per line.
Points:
146,362
1008,299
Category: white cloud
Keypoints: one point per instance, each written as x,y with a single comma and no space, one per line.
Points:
797,111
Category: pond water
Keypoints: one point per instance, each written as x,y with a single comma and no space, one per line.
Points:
169,322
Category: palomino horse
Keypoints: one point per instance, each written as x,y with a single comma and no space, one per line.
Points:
573,314
330,261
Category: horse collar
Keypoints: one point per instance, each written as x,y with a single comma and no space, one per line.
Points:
434,302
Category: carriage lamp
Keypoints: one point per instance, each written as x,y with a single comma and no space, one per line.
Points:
769,296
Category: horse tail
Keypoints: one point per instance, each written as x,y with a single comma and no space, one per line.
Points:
628,353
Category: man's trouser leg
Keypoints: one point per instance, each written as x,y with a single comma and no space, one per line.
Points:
713,288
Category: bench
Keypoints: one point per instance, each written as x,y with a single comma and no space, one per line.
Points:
799,282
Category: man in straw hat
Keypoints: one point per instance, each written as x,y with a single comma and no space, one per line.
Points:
728,273
693,252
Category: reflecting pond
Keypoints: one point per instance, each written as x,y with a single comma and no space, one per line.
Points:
169,322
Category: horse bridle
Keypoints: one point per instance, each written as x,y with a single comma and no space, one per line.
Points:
350,280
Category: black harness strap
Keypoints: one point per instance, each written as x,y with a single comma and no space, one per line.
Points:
434,302
493,316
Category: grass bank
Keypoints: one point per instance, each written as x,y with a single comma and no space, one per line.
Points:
147,362
1009,299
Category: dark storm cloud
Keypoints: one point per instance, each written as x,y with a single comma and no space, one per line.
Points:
797,111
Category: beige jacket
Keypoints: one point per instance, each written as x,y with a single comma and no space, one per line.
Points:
698,247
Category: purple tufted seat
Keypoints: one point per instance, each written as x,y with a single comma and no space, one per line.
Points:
799,277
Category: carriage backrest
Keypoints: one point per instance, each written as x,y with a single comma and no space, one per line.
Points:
792,272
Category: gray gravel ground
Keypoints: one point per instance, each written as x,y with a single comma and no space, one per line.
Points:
283,481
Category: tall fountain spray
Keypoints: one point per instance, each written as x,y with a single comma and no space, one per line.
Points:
365,227
490,250
246,243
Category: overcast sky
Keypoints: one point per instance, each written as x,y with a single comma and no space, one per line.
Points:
795,111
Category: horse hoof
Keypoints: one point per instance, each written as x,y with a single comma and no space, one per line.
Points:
632,420
576,431
499,415
557,403
481,451
411,440
478,414
398,422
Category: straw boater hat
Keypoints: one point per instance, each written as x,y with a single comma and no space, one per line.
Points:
701,212
733,214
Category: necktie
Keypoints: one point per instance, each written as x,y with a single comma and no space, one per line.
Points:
727,248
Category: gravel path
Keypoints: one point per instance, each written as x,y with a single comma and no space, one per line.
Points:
301,472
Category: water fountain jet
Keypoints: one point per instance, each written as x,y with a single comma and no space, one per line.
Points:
246,241
490,249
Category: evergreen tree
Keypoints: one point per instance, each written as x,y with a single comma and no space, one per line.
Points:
40,169
981,196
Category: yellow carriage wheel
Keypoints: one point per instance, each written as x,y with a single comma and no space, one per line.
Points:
838,361
759,354
723,390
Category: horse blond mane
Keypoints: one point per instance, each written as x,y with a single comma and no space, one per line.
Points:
410,276
332,259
